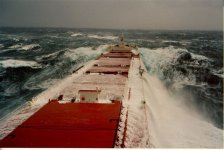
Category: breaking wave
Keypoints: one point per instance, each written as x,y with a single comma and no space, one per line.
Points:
106,37
1,46
184,88
31,47
174,125
16,46
72,59
190,76
76,34
175,66
12,63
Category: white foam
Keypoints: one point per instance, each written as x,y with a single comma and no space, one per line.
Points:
164,121
219,72
76,34
48,55
16,46
169,41
107,37
30,47
85,51
11,121
19,63
161,59
42,84
1,46
185,42
200,57
172,125
16,39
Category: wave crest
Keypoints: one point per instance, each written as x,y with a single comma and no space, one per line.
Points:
12,63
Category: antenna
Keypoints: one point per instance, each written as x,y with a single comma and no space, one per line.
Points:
122,37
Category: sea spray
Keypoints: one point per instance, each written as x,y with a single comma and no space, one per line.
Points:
189,75
174,126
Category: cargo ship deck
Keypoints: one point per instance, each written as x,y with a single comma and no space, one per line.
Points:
87,111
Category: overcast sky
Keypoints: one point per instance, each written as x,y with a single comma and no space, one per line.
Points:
121,14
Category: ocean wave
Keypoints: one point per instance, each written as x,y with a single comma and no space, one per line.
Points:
219,72
11,90
172,123
48,56
31,84
16,39
200,57
174,65
1,46
106,37
169,41
67,61
16,46
85,51
185,42
31,47
76,34
12,63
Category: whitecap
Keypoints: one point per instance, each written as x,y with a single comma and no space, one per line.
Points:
31,47
31,84
200,57
219,73
1,46
185,42
107,37
160,62
76,34
169,41
12,63
16,46
39,58
85,51
172,124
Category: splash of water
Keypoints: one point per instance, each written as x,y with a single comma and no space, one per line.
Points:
172,125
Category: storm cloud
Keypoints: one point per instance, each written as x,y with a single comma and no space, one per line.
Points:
119,14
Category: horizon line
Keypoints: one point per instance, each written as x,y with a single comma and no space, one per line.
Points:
111,28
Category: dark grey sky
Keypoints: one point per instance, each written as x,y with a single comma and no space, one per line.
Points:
122,14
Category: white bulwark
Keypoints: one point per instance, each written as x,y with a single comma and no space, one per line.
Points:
89,96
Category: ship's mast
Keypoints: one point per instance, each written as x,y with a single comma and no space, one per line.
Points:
122,43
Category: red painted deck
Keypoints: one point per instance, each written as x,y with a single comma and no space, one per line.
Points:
79,125
75,125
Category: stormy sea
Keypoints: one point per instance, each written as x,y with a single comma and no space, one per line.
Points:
189,64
